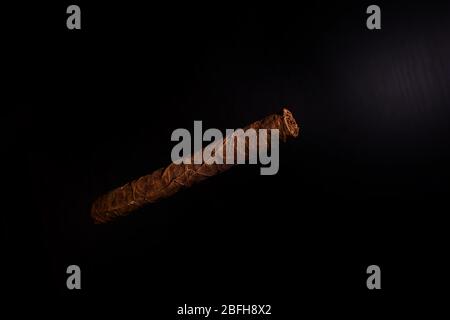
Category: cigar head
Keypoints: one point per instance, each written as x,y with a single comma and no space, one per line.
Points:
290,123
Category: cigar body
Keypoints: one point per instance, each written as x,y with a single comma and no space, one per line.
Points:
168,180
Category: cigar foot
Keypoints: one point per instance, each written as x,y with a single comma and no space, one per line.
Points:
290,123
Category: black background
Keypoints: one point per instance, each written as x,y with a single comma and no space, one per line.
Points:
366,183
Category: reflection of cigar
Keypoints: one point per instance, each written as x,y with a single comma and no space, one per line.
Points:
167,181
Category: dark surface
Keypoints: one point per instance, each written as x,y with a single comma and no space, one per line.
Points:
366,183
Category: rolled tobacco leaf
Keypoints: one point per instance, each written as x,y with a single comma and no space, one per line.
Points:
168,180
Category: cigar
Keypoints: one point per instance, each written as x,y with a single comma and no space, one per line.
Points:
168,180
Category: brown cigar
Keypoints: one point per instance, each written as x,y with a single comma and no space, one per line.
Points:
168,180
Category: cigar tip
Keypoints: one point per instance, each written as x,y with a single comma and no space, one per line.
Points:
290,123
